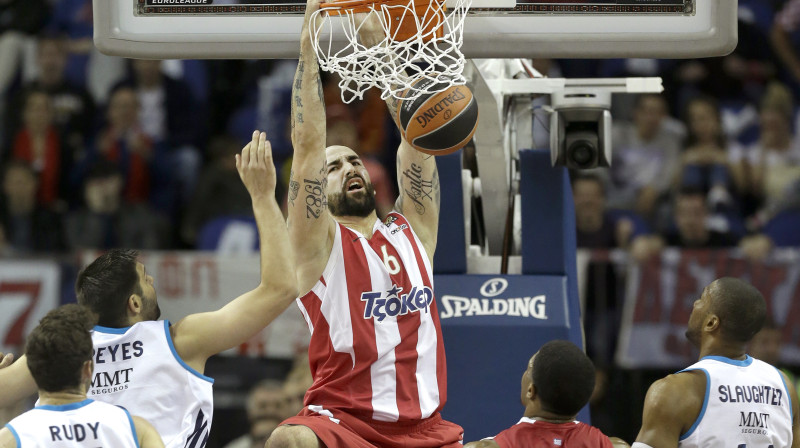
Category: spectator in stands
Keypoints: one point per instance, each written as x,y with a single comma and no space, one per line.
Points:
25,225
73,107
39,144
105,222
646,157
691,224
297,382
265,411
18,20
706,162
124,142
787,23
73,19
168,115
557,383
766,345
597,227
219,191
168,111
774,161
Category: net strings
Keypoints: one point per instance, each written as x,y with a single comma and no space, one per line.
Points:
398,68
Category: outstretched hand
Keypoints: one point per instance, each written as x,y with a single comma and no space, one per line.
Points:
256,167
6,360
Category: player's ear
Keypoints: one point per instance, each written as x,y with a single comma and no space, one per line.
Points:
134,305
712,323
531,392
87,369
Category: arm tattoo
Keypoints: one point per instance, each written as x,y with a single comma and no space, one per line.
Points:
316,200
298,81
294,188
418,188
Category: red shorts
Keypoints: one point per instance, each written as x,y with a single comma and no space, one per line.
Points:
351,432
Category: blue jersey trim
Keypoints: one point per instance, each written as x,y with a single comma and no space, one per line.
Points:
178,358
16,436
133,427
743,363
65,407
705,403
111,330
786,388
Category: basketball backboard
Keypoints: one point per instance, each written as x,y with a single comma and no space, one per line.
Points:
494,28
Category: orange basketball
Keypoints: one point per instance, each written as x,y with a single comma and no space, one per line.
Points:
439,123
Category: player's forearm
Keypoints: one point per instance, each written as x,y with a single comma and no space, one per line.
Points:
308,104
277,258
16,382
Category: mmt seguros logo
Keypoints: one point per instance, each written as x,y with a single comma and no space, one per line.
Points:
490,305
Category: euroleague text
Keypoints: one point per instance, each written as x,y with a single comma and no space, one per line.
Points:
395,303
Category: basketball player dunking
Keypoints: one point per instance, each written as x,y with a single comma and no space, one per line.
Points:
154,368
727,399
376,350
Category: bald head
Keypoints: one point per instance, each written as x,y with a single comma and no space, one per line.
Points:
740,307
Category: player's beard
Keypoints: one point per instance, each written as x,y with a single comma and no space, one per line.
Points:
152,311
359,204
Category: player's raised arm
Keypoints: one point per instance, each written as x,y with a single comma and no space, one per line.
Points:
199,336
16,382
311,228
418,184
417,176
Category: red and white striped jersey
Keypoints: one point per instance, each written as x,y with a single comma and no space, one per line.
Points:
376,348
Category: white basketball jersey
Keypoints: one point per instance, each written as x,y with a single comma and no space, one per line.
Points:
87,423
138,368
746,405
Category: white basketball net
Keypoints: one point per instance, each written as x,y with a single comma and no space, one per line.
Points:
394,66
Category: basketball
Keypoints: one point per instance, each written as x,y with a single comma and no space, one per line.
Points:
439,123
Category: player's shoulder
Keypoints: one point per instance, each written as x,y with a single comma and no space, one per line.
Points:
594,436
678,393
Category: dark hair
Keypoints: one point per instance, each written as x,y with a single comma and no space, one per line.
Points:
102,169
106,284
31,92
740,307
580,177
691,138
59,346
563,376
690,191
642,97
18,164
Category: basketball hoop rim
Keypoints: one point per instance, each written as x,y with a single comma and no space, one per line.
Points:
339,7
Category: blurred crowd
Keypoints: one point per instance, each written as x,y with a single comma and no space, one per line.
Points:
99,152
